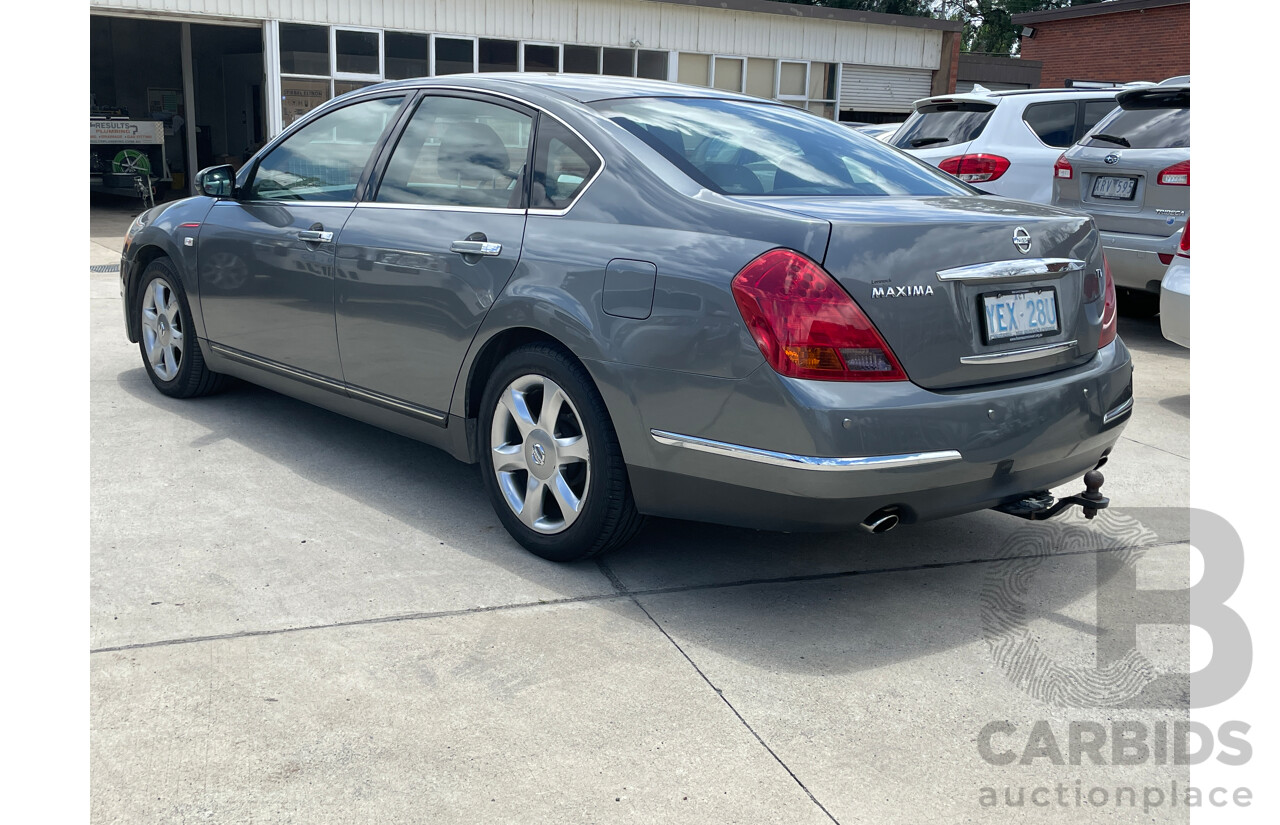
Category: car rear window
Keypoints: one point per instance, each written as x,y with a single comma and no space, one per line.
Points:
1149,119
738,147
944,124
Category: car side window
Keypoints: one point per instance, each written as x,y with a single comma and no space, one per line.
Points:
323,160
1053,123
459,151
1094,111
562,166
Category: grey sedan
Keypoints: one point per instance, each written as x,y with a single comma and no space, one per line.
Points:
624,298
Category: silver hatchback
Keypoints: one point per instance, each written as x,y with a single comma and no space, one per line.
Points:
1132,173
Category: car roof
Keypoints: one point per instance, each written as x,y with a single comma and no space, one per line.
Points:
986,96
583,88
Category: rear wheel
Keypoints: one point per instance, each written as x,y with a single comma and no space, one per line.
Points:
550,457
170,352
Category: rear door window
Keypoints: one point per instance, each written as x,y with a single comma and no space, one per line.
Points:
944,124
563,165
1054,123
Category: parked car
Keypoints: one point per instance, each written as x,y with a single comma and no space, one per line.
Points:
624,297
1006,142
879,131
1175,293
1132,173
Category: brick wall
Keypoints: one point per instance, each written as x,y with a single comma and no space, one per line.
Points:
1148,44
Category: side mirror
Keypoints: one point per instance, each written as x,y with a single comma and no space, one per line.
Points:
216,181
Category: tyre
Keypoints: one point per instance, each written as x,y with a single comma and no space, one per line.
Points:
550,457
167,340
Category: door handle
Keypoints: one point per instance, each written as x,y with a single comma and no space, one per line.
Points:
315,236
476,248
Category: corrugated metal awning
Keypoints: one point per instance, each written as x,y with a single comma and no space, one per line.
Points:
882,88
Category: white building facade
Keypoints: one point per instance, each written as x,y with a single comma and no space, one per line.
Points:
242,70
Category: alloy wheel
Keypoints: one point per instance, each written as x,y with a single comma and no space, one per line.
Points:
540,454
163,329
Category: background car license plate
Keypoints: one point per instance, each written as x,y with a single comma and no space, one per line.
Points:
1119,189
1019,316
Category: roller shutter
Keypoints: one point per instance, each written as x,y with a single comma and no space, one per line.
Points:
882,88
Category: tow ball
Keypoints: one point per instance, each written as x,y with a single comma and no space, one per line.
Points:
1041,506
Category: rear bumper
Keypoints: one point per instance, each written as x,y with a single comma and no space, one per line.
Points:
790,462
1135,259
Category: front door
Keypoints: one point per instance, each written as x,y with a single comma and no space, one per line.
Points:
420,263
266,259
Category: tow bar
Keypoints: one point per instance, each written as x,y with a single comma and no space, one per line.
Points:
1041,506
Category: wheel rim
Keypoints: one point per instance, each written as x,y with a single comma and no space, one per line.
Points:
162,330
541,457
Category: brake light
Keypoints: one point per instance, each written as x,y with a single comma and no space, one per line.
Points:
1184,246
1178,174
975,168
1108,307
1062,167
806,325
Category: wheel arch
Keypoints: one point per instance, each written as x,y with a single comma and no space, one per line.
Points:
142,257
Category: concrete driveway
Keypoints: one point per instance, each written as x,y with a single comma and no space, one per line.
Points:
299,618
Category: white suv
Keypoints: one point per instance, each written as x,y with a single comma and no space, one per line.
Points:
1004,143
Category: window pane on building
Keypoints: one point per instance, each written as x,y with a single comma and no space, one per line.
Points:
760,77
693,69
582,59
498,55
618,62
301,95
541,58
822,81
791,80
341,87
406,55
357,52
728,74
454,56
652,65
304,49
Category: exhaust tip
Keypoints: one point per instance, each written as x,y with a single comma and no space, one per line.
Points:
880,522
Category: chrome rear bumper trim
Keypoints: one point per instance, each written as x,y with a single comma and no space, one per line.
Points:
803,462
1011,270
1013,356
1117,412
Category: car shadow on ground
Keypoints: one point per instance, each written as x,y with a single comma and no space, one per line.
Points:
857,601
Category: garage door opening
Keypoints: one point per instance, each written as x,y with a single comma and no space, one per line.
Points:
168,98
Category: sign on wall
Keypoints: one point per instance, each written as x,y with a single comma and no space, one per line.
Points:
126,131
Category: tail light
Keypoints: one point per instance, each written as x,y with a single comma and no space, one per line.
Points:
1062,167
1108,307
1184,246
806,325
1178,174
975,168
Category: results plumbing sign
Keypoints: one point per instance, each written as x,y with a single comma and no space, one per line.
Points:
133,132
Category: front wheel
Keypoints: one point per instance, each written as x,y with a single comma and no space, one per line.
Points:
550,458
168,343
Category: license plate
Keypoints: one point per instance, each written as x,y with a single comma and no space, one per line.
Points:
1020,316
1116,189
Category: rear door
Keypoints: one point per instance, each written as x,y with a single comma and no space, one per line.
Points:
420,262
266,258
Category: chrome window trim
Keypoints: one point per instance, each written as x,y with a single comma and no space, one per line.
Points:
803,462
441,207
1010,270
1117,412
1013,356
286,202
